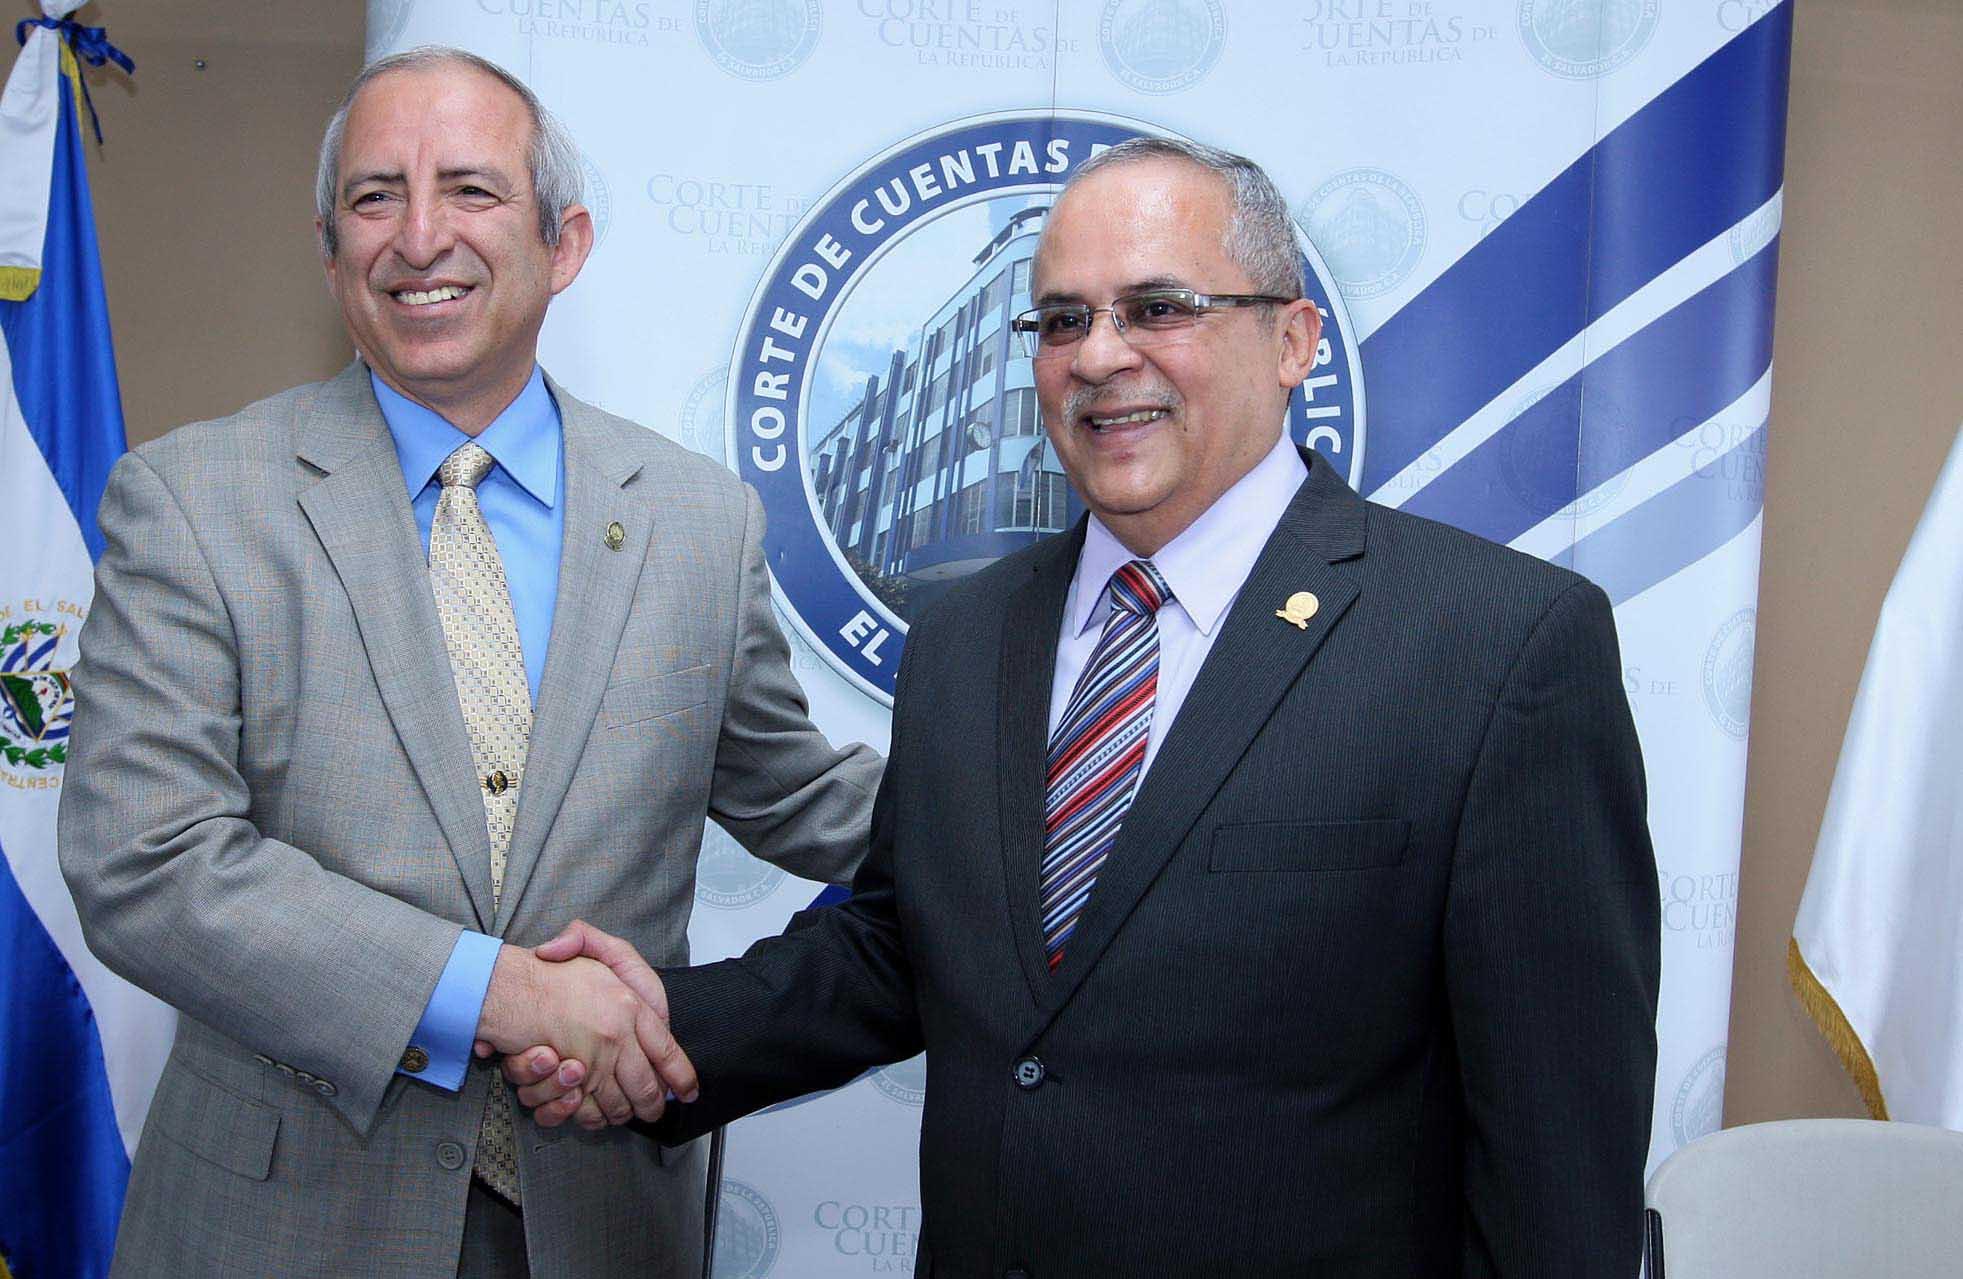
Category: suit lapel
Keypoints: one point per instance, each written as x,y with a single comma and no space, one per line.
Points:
1030,628
360,511
1254,660
596,590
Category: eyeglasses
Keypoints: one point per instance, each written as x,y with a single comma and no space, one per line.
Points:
1157,317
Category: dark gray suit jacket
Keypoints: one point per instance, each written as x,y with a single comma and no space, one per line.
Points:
1367,986
272,823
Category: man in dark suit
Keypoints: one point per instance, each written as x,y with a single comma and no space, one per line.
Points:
1297,914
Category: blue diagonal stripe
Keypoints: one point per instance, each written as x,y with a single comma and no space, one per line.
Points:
1677,372
1701,157
1678,526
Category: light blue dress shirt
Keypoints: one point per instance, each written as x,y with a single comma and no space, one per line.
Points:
520,501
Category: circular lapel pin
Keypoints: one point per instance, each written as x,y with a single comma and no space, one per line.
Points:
1300,608
616,535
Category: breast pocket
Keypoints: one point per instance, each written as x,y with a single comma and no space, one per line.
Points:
1308,846
657,696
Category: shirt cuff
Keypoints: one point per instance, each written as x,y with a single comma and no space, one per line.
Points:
439,1050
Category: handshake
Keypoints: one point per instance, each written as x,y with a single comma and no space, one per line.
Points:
582,1024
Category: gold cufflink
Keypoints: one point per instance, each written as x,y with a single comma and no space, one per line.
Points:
1300,608
616,536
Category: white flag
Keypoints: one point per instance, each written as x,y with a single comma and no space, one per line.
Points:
1875,954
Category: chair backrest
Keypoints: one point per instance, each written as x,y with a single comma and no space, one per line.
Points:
1810,1199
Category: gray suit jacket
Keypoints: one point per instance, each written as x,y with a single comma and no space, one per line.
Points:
272,823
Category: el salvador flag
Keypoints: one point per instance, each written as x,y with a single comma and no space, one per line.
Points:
80,1049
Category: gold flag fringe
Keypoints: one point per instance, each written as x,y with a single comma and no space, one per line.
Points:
1840,1036
17,284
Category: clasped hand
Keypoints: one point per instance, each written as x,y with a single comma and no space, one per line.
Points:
582,1023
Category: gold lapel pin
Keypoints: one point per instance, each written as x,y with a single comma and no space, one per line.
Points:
616,535
1300,608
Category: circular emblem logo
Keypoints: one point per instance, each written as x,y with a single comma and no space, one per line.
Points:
1582,39
700,424
1370,226
884,412
386,18
1538,455
37,699
747,1237
1728,672
597,198
904,1081
727,877
758,39
1699,1106
1161,46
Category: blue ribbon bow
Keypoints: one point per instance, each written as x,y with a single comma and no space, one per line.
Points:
90,44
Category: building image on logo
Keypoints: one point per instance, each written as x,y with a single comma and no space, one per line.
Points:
940,466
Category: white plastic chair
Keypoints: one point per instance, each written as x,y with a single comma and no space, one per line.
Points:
1809,1199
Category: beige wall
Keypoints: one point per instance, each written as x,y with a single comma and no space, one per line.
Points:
204,199
1867,393
202,195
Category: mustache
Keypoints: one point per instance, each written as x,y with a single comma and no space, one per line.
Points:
1091,399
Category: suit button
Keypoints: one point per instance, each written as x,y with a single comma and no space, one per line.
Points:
415,1061
324,1088
262,1059
1029,1073
450,1155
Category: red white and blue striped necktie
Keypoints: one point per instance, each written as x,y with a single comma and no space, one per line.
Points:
1098,750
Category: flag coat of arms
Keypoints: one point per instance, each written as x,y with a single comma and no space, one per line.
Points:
81,1048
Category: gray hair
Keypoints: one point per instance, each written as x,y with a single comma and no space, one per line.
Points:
1261,236
552,161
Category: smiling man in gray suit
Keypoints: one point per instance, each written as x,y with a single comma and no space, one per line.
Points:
390,675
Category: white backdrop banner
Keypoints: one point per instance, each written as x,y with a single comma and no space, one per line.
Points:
1543,234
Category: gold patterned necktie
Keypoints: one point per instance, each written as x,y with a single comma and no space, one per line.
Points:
481,633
